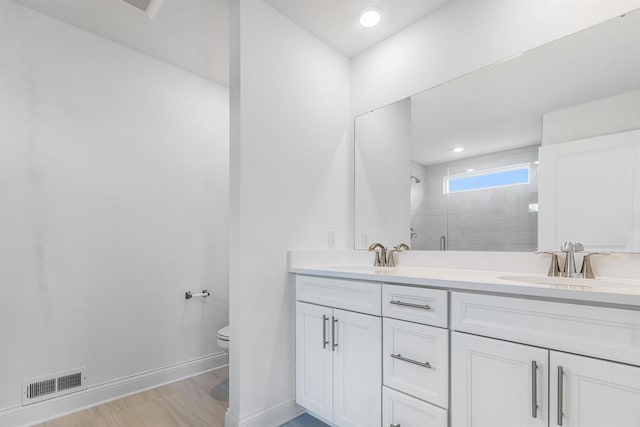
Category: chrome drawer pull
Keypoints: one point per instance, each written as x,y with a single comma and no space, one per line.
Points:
394,425
325,342
534,389
334,339
415,362
560,395
408,304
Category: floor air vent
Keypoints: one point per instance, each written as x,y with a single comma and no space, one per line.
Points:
50,386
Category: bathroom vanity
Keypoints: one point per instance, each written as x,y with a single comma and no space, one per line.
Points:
529,154
425,347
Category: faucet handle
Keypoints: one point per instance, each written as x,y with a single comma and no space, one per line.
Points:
402,247
554,267
587,270
578,247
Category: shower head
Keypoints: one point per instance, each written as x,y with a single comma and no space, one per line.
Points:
415,179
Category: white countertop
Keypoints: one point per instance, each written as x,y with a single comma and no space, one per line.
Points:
600,291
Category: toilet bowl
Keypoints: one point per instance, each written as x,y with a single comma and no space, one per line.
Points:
223,338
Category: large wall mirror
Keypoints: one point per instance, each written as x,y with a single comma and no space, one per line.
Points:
519,156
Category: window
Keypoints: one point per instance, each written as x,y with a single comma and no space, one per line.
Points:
493,178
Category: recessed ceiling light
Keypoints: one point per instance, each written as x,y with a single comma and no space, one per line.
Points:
458,149
370,18
470,170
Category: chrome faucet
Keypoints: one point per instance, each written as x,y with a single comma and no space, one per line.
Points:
381,254
391,258
569,269
386,257
570,250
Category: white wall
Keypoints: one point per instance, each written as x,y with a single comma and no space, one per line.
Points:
291,162
464,36
382,171
190,34
603,117
113,202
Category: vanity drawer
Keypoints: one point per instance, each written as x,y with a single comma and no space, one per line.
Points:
352,295
416,360
399,409
603,332
420,305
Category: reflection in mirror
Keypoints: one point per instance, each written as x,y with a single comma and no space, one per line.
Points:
486,202
383,160
526,154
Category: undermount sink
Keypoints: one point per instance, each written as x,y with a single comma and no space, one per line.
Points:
572,283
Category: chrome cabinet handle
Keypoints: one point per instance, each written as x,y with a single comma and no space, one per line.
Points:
560,392
394,425
408,304
534,389
415,362
324,331
334,342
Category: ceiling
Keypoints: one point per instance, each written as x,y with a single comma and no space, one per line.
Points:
336,22
194,34
501,107
190,34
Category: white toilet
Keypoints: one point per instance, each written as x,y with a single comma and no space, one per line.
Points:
223,338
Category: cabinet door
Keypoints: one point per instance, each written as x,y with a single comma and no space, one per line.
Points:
593,393
497,383
314,359
357,370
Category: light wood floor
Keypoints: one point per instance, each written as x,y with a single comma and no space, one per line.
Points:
194,402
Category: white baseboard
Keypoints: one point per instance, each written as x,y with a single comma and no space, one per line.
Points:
270,417
230,420
110,390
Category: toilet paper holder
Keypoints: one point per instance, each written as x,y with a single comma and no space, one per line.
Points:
188,295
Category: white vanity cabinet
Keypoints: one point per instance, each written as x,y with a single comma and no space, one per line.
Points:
386,355
593,393
502,384
415,360
497,383
356,370
314,359
338,358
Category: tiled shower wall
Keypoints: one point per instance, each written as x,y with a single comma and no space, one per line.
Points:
496,219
